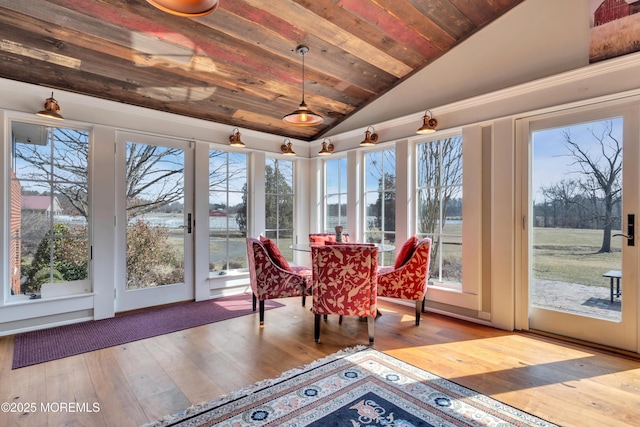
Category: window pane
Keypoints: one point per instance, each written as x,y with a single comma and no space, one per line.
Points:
155,215
48,217
227,211
380,199
335,194
439,205
279,201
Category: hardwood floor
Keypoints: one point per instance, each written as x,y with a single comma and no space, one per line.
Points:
139,382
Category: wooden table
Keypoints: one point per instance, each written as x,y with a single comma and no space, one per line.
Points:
614,274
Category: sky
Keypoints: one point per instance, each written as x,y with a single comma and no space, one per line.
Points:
551,161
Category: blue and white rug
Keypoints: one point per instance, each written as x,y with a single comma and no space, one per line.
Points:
355,388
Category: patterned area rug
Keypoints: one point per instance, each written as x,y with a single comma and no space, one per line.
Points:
357,387
55,343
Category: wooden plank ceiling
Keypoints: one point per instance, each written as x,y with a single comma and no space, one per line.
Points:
237,65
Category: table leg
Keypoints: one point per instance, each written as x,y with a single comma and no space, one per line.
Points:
611,282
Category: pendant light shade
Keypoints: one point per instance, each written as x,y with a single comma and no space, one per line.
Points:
303,116
188,8
51,109
428,124
287,148
326,149
234,139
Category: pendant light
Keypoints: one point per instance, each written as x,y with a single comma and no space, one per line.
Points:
428,124
187,8
303,116
51,109
326,149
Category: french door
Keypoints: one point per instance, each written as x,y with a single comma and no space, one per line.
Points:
155,224
579,209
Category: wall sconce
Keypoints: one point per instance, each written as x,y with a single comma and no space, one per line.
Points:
428,124
326,148
234,139
188,8
286,148
51,109
369,138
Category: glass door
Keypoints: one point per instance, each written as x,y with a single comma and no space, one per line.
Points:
155,221
580,257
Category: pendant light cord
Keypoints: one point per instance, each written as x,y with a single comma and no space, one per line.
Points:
303,55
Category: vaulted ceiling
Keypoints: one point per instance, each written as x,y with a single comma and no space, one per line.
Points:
237,65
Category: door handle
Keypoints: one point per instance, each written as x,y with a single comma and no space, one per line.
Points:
630,236
188,226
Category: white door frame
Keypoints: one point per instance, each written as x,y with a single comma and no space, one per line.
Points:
126,300
624,334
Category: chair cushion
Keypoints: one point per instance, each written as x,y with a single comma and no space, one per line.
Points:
275,254
406,251
322,239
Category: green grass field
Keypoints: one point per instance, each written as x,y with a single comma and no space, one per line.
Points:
571,255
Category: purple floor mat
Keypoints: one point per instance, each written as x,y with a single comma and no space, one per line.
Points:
55,343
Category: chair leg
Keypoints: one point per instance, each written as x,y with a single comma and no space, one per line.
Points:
423,301
254,300
418,311
316,328
340,320
304,300
261,312
371,324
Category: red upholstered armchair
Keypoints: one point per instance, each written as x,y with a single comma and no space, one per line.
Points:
271,276
344,283
407,279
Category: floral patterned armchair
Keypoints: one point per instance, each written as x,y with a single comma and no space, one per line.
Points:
271,276
407,278
344,283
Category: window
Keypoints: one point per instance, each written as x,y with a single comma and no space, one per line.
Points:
380,199
335,194
227,211
279,192
439,205
49,215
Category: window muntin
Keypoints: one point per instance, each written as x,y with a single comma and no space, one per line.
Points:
439,205
380,200
227,211
335,194
49,214
279,203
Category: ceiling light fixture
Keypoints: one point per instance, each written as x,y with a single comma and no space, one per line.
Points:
188,8
303,116
51,109
428,124
369,138
234,139
326,149
287,149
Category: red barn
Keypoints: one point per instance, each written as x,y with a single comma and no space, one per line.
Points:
610,10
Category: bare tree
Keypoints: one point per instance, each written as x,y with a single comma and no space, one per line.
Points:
564,192
602,167
154,173
440,178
